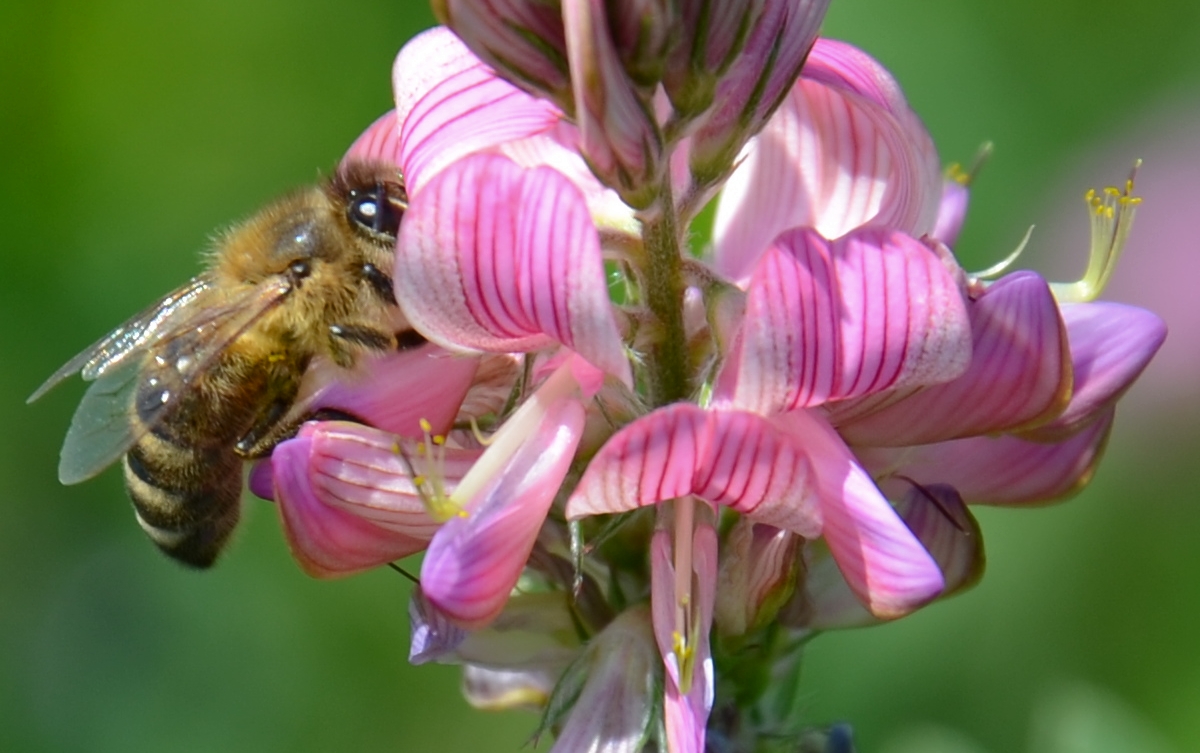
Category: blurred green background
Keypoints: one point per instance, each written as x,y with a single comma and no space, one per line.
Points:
132,130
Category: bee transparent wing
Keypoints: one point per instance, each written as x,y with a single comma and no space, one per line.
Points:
135,334
131,395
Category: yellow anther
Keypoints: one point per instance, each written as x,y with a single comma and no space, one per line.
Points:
963,177
685,654
1112,211
426,426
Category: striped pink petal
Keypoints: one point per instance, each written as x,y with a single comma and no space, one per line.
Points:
830,320
937,516
1004,470
494,257
1110,346
363,471
325,539
730,458
843,151
396,391
1020,375
685,711
448,105
884,563
476,558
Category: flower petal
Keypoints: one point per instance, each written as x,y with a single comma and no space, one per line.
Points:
1020,375
494,257
938,517
952,211
1005,470
394,392
434,636
618,134
759,564
685,711
614,711
476,558
1110,346
363,472
328,541
448,105
842,151
884,563
523,39
834,320
731,458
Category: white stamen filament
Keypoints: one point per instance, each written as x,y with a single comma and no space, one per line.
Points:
1112,212
684,638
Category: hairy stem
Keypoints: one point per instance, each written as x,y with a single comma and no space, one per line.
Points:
662,273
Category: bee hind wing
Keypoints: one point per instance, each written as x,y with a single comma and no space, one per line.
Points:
102,428
130,396
138,332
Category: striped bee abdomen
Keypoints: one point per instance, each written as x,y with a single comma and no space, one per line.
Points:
184,475
187,499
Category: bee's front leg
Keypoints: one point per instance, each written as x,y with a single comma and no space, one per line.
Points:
268,430
347,340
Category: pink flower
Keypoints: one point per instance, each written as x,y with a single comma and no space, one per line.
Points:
827,379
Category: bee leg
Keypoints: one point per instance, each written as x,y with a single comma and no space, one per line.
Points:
345,339
267,431
380,282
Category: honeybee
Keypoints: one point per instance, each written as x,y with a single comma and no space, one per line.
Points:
205,378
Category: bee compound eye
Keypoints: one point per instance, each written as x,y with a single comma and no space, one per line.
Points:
299,269
375,211
364,210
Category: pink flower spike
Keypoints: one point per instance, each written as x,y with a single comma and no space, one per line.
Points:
730,458
1020,376
842,151
835,320
1004,470
493,257
448,105
884,563
476,558
690,680
326,540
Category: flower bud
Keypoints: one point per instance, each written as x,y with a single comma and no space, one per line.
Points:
522,39
757,575
619,137
612,691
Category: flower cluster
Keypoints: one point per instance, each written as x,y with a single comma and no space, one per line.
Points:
641,477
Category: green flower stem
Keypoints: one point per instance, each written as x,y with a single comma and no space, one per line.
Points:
662,274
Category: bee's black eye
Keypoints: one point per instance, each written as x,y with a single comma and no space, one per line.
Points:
374,211
299,269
